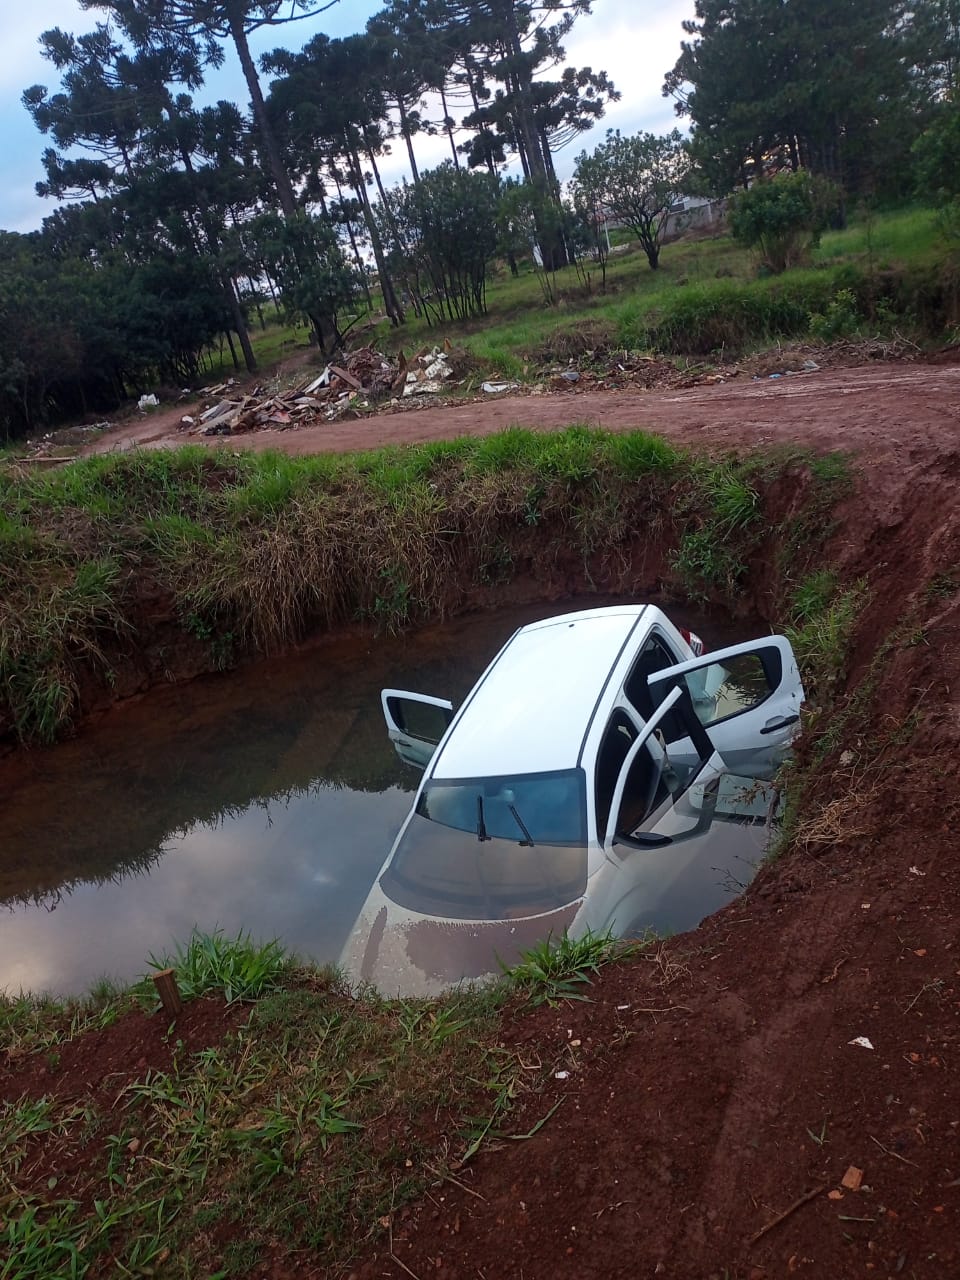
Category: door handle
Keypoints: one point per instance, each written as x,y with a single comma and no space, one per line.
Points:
782,723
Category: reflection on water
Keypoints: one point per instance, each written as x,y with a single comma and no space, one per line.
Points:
263,801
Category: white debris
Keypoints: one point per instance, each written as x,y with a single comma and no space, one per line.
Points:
915,871
861,1042
147,402
494,388
315,385
561,1075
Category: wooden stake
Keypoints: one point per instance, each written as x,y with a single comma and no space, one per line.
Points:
166,983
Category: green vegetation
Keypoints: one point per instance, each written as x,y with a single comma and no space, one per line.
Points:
823,616
239,968
706,299
556,969
254,551
304,1127
783,219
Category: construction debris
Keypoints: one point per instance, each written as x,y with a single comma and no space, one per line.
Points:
353,389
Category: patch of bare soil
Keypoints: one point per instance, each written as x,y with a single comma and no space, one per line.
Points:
99,1063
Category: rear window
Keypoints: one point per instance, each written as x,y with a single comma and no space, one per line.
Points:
493,848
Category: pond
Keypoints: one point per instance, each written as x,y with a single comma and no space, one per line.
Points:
264,801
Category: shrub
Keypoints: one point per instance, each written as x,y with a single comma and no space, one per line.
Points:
783,218
841,319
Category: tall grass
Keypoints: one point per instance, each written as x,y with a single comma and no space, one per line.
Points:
239,967
251,553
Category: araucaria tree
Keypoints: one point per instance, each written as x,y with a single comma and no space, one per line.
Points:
635,181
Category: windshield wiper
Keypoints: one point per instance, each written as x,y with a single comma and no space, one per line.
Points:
528,838
481,825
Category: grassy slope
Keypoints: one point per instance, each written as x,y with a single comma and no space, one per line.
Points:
254,551
317,1116
520,326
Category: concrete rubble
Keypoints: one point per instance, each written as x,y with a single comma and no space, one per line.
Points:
357,386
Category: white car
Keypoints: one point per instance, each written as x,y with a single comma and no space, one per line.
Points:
567,792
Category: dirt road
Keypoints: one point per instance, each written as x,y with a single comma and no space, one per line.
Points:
881,408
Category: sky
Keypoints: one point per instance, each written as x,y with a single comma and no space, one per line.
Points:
634,50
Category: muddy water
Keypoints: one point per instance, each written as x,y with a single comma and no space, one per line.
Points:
264,801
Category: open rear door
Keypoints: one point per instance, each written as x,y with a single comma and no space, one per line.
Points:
747,698
415,724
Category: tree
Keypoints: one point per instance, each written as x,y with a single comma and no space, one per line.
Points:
446,229
937,160
818,84
206,23
587,194
636,180
153,148
503,49
783,218
327,110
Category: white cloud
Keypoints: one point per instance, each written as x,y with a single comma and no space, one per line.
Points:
21,63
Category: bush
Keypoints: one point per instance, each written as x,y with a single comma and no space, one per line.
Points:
841,319
727,316
783,218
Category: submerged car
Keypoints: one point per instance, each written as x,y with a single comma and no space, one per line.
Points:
570,791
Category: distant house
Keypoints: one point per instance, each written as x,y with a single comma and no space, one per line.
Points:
694,213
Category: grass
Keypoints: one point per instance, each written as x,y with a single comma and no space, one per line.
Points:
704,298
823,617
557,969
255,551
239,968
304,1129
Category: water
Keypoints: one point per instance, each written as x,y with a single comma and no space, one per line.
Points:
265,801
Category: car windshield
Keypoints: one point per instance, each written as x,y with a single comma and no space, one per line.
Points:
493,848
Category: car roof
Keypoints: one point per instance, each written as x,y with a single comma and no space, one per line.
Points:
531,709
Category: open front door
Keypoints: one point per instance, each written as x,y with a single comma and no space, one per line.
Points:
415,724
747,698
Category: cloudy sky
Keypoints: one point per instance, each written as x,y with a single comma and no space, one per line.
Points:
634,43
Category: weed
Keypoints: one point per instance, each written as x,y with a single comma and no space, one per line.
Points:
556,969
239,967
822,620
819,1137
840,319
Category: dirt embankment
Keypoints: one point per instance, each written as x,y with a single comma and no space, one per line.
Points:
717,1110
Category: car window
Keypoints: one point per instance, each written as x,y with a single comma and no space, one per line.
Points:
547,808
655,656
419,719
442,871
617,741
735,685
645,790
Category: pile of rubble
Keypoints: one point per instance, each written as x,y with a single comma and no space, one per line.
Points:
353,389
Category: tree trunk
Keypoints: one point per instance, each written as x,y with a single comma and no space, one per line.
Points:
449,128
239,322
281,179
391,305
552,248
405,130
